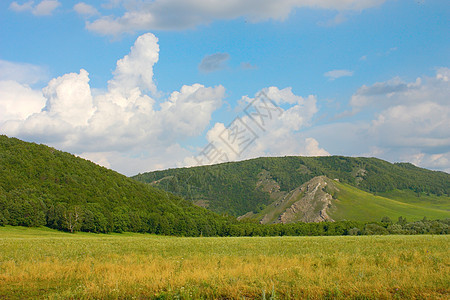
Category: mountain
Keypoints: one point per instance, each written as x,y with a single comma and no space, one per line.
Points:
42,186
310,189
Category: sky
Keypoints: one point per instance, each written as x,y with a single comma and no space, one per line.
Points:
140,85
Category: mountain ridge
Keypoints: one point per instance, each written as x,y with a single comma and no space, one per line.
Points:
245,187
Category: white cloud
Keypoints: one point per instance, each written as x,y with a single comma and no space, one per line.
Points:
18,101
396,91
439,161
213,62
85,9
27,6
335,74
122,122
69,99
182,14
135,70
44,8
268,130
410,122
422,125
22,73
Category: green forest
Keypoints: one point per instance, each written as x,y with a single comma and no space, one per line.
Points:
230,187
41,186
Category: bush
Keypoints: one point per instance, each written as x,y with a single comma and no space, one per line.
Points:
3,220
395,229
354,231
374,229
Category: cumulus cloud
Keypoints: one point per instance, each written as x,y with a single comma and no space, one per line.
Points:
265,129
410,122
18,101
182,14
135,70
43,8
335,74
422,125
396,91
125,121
213,62
85,9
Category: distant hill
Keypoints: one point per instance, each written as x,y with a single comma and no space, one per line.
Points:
311,189
42,186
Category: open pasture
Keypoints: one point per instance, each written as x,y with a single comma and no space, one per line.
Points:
43,263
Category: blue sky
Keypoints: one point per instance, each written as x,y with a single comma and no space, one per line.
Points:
144,85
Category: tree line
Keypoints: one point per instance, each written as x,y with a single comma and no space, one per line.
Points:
91,219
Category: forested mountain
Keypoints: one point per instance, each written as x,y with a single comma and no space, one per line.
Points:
42,186
256,186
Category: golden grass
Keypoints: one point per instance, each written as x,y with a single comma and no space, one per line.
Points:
143,266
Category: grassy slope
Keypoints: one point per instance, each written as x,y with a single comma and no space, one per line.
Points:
357,205
40,263
408,196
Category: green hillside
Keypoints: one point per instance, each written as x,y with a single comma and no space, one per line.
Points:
42,186
357,205
250,186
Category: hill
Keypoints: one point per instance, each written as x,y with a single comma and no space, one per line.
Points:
42,186
364,189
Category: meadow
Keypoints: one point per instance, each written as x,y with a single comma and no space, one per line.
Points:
43,263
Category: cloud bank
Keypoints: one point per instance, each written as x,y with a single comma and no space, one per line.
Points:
125,118
128,128
266,129
184,14
410,122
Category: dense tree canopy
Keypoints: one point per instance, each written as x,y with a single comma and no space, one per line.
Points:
42,186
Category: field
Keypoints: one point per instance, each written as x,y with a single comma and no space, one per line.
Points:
49,264
358,205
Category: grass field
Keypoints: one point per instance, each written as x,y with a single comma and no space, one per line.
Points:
42,263
358,205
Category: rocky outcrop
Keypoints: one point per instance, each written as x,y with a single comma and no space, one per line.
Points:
308,203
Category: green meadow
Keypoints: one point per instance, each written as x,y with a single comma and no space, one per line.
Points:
43,263
357,205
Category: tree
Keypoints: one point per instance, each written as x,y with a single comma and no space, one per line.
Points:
72,219
3,220
395,229
372,229
402,221
354,231
386,220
